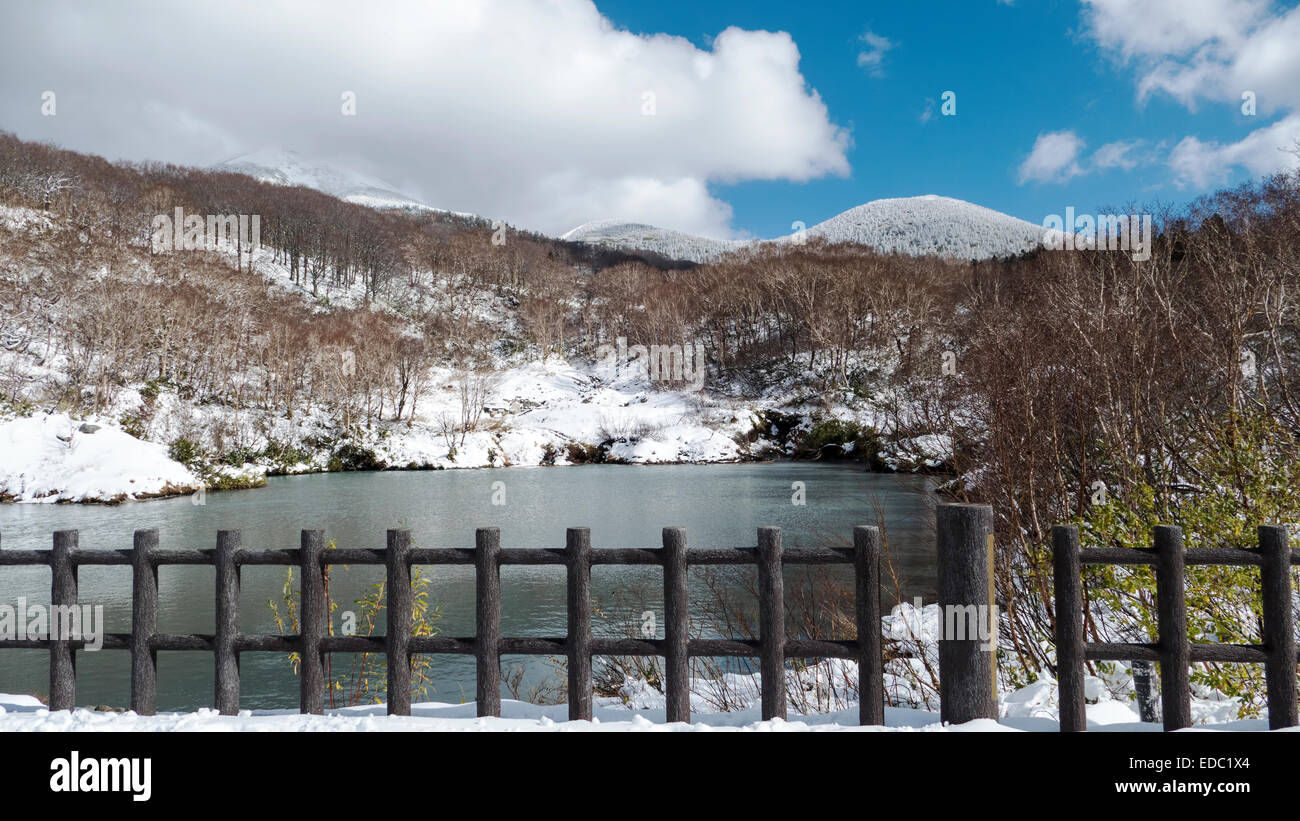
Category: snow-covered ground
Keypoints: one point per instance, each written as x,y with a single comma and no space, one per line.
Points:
534,412
54,458
639,707
24,713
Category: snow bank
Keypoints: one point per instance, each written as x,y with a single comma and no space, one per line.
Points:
23,713
54,458
640,707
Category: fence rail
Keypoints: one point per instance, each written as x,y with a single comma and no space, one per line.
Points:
1173,649
579,645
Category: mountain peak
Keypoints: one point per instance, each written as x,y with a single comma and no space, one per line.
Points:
925,224
283,166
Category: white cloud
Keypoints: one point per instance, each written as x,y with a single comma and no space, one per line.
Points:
1213,51
1145,28
1054,158
1118,154
1263,151
872,58
527,111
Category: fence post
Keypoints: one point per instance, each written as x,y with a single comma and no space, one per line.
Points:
63,591
1279,626
677,623
397,561
871,673
967,666
313,612
1171,612
226,657
577,550
144,623
1067,578
1144,672
771,622
487,641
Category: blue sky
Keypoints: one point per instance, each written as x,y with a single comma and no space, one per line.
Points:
1018,71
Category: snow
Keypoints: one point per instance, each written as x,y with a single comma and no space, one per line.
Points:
54,458
20,713
616,233
533,412
283,167
18,218
927,224
931,225
640,708
932,450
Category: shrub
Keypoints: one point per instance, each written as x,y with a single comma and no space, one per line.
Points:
133,425
1248,476
185,451
364,679
838,438
351,456
581,454
283,456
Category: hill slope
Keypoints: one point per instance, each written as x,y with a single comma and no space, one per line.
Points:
931,225
635,236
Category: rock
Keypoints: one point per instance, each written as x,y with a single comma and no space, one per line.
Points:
86,427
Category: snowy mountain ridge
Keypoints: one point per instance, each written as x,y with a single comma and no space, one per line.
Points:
923,225
286,167
928,224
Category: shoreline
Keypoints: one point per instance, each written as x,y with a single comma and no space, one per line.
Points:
123,499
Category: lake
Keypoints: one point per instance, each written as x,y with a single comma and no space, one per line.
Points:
624,506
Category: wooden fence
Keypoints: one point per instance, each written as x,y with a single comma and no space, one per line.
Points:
1172,648
487,646
967,665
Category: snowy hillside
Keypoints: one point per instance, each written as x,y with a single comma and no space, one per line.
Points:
931,224
640,237
290,168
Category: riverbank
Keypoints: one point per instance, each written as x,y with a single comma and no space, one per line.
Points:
154,443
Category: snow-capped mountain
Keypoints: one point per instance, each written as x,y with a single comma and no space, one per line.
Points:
290,168
931,224
909,225
641,237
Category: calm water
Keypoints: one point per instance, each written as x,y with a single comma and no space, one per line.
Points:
719,505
